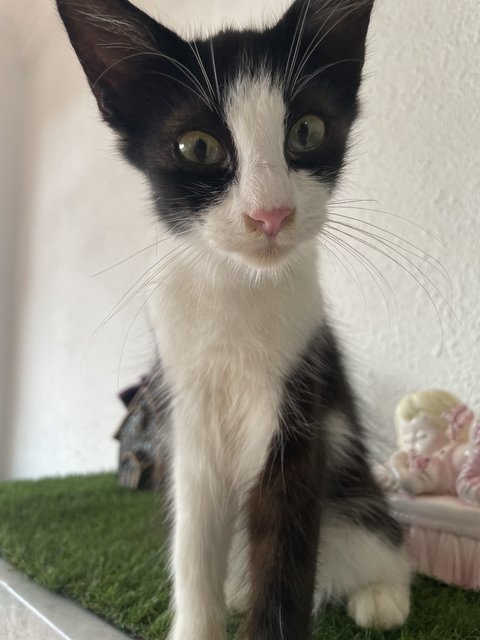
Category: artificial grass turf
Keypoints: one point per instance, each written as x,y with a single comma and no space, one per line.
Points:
104,546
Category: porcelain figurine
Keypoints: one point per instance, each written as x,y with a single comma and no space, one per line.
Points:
433,480
438,448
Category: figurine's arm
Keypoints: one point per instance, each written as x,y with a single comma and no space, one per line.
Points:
422,475
385,473
418,480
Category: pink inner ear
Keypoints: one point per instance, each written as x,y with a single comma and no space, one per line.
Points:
270,220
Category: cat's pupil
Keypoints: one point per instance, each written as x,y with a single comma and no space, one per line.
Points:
200,148
303,132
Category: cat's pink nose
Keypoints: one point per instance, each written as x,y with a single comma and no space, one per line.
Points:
270,221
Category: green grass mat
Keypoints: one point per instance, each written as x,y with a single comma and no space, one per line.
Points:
103,546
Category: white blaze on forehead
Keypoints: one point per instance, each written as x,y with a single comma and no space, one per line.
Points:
255,115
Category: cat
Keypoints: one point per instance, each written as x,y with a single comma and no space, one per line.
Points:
242,137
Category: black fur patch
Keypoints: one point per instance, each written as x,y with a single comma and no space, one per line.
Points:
299,481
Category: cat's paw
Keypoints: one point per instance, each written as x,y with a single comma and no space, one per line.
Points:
380,606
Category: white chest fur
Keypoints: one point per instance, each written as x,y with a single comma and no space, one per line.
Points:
227,347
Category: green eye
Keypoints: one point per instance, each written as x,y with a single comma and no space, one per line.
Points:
307,134
201,148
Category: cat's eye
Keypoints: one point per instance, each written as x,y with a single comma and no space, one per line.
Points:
200,148
307,134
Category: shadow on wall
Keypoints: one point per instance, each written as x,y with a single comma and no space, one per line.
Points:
12,253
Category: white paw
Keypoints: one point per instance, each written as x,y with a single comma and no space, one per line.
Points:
380,606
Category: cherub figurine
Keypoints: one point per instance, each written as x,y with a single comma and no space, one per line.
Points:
439,448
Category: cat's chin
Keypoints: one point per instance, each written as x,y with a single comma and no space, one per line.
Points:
270,259
266,260
270,256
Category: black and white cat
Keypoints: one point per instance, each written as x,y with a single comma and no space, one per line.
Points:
242,137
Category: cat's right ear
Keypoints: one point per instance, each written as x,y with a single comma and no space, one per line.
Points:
121,50
328,32
337,26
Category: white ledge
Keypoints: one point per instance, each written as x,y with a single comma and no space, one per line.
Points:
28,612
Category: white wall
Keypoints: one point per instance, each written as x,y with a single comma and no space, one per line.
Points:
415,153
419,156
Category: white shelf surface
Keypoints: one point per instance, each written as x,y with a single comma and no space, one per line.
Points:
28,612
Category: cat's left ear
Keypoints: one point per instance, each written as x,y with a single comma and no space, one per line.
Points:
124,54
331,32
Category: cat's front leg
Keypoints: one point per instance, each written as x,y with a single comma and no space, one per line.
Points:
284,518
201,543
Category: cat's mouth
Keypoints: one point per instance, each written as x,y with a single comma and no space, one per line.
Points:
252,245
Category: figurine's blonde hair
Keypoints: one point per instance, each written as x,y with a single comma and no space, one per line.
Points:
431,402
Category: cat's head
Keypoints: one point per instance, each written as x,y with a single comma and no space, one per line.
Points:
241,135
